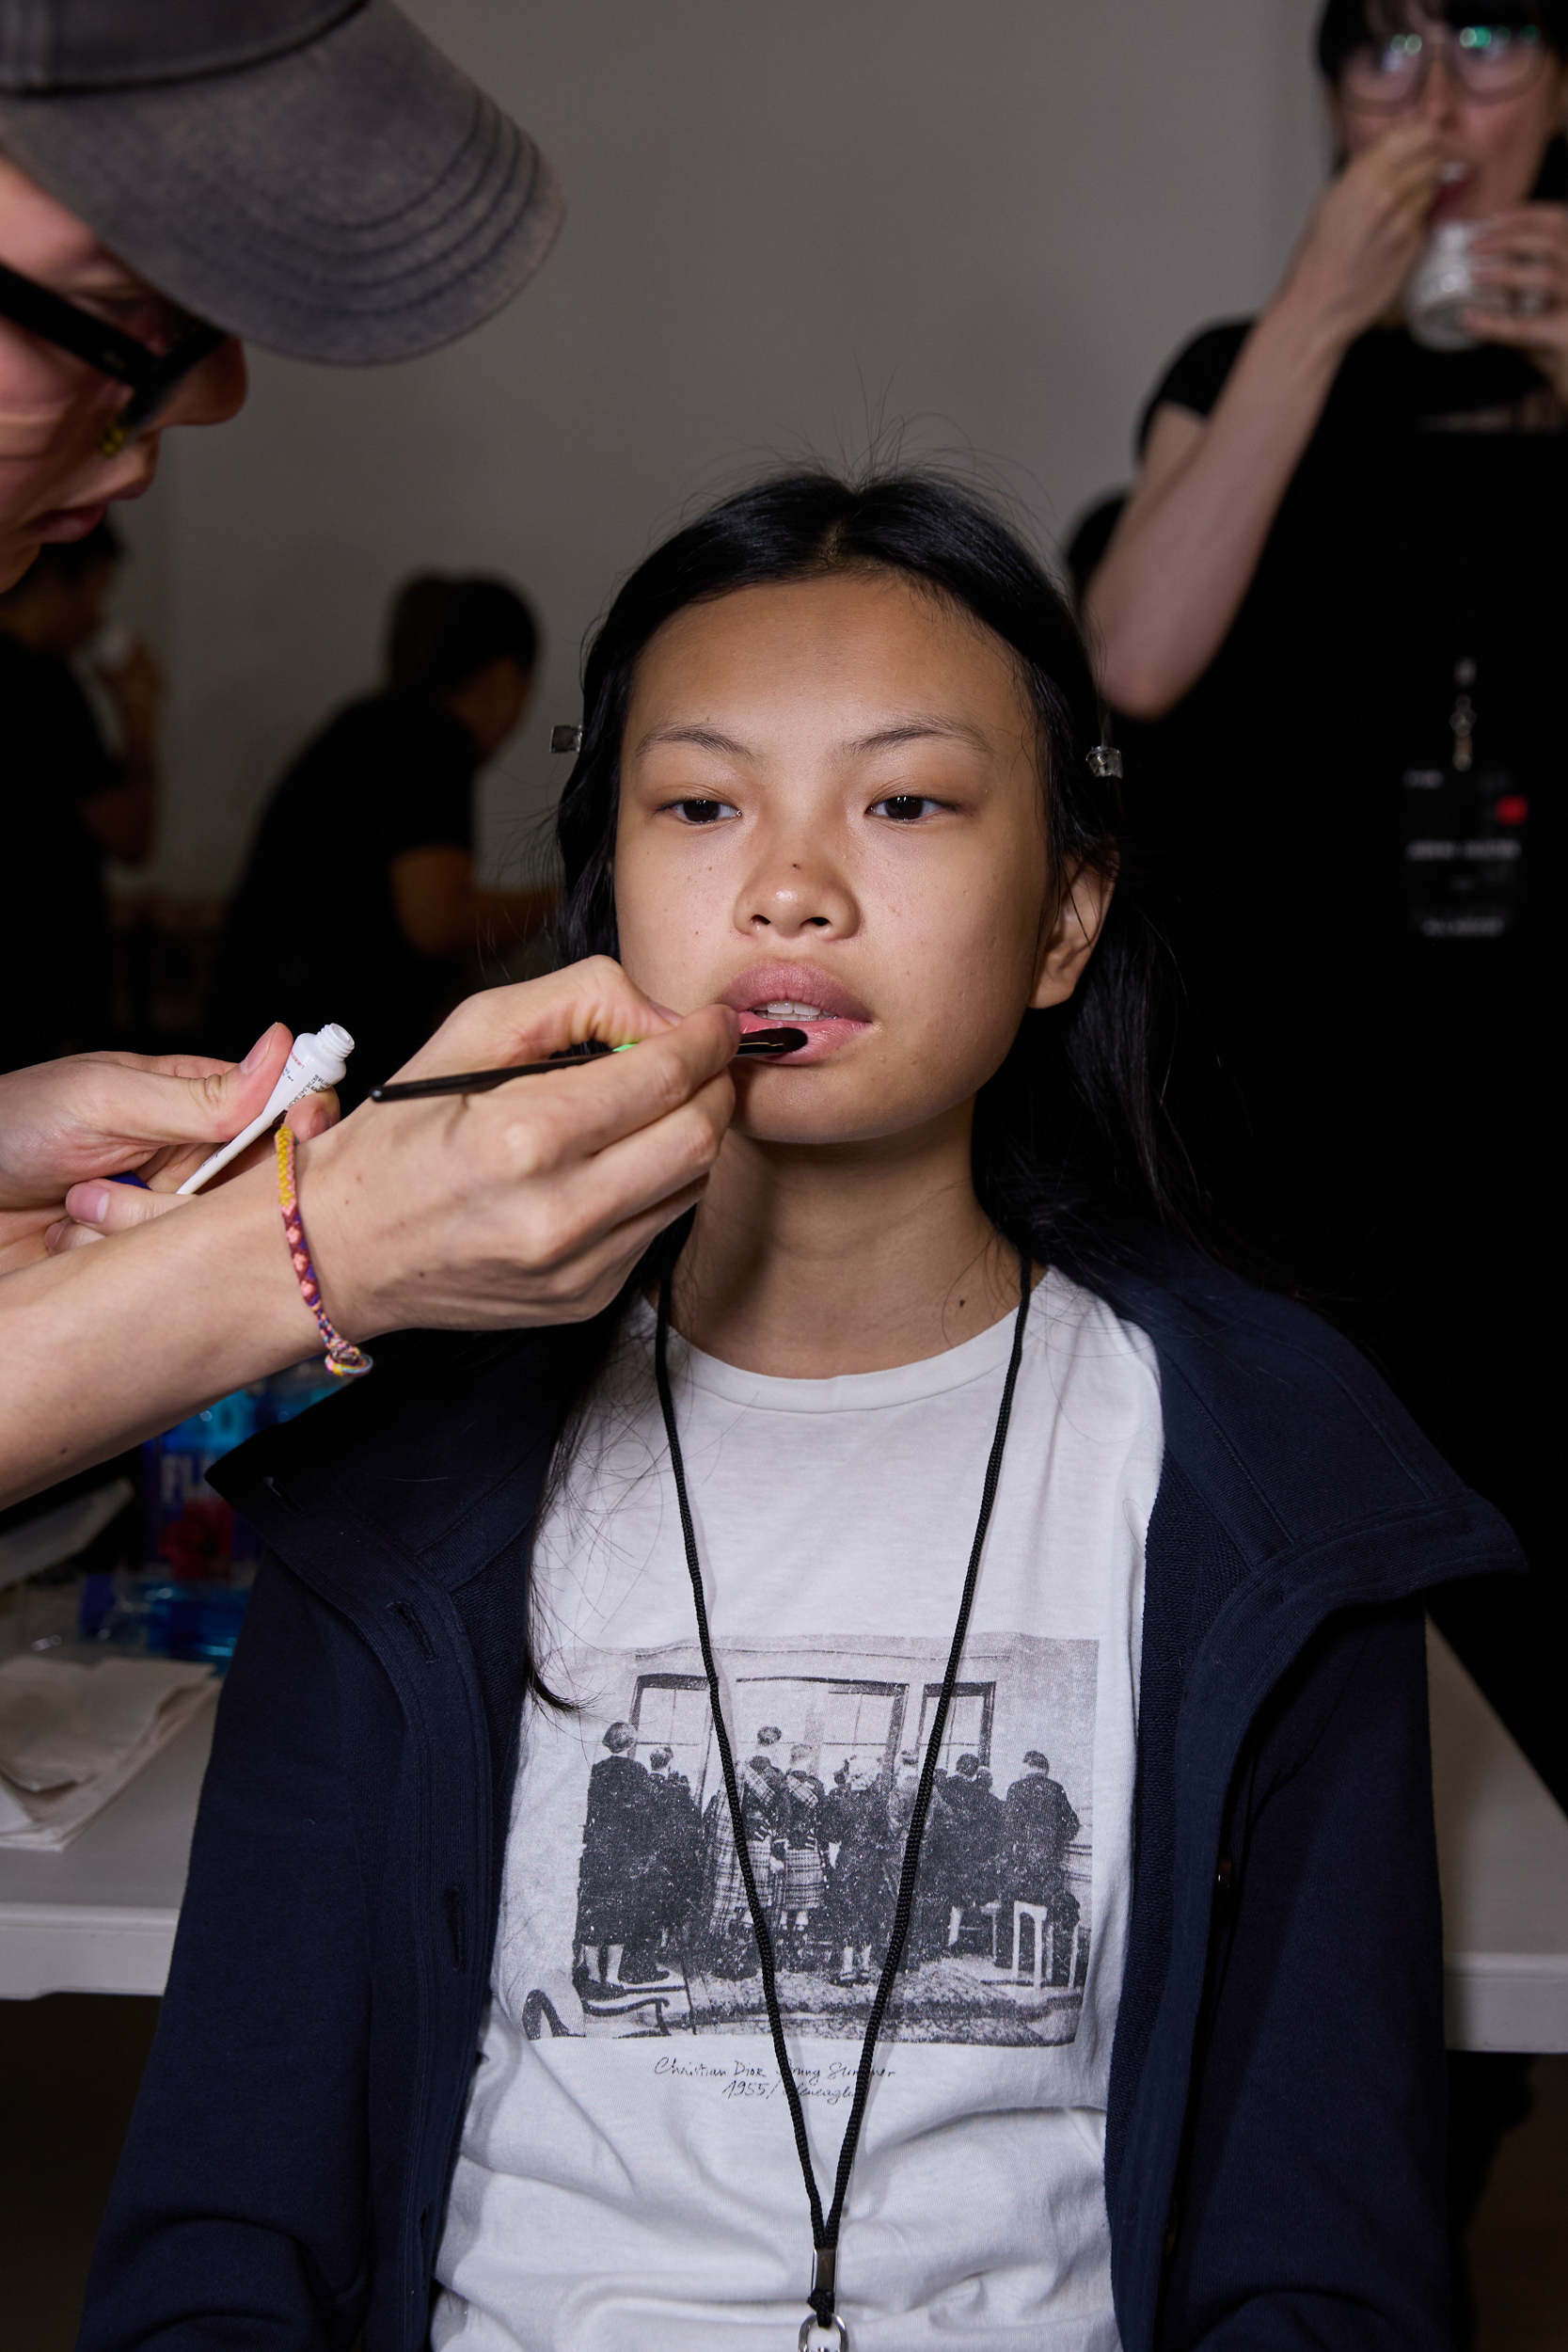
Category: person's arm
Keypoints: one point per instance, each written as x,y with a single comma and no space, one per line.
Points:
527,1205
442,912
1312,2208
1185,549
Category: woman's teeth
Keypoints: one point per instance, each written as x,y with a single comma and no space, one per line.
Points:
783,1009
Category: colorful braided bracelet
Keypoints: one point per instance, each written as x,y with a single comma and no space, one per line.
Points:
342,1356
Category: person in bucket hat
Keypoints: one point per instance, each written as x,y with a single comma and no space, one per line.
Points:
177,175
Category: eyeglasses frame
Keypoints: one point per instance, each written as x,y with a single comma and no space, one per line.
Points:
153,377
1447,41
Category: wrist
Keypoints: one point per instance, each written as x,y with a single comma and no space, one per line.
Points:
346,1257
1308,334
343,1358
248,1248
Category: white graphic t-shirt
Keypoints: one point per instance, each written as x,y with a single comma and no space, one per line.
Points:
627,2179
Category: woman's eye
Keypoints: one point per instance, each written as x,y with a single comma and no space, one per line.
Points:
905,809
145,316
703,812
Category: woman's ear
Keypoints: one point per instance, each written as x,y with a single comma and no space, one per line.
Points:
1070,940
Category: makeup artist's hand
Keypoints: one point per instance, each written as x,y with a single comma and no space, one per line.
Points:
531,1204
67,1126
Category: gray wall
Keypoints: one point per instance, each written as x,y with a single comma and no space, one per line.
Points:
810,226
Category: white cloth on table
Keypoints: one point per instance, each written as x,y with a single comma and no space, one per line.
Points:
72,1734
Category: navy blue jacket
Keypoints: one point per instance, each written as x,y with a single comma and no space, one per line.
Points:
1273,2153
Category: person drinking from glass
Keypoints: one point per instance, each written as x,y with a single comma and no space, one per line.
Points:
1330,615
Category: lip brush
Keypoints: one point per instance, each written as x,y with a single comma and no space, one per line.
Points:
762,1046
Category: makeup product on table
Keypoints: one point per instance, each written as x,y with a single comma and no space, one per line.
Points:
761,1045
318,1060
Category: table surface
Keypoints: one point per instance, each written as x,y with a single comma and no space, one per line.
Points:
101,1916
1502,1853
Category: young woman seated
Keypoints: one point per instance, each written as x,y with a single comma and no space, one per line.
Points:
1129,1860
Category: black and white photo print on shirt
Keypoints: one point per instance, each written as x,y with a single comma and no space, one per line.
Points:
626,1915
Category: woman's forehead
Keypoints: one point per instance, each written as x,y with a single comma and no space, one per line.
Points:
871,652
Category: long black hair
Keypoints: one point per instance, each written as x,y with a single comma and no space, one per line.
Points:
1071,1143
1346,25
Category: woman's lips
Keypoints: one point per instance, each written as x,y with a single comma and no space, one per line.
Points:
824,1035
768,996
1455,182
65,523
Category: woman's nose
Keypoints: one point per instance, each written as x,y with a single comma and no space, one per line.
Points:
212,394
1442,94
788,896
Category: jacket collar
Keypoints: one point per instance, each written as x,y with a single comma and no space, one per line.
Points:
1322,1483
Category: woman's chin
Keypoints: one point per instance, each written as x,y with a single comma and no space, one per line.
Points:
811,1123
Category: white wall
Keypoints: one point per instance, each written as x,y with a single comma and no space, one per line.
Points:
793,226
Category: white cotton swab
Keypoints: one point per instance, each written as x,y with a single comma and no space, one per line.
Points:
318,1060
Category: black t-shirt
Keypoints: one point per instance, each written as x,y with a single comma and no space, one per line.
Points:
55,952
311,935
1370,1023
1385,381
1345,895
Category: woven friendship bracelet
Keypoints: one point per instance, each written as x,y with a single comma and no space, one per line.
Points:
342,1356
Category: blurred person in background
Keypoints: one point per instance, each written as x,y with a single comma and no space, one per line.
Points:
1332,616
309,174
67,800
381,804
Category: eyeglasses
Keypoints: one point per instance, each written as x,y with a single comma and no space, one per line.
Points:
153,375
1488,62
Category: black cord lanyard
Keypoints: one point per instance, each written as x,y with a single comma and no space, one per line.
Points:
825,2230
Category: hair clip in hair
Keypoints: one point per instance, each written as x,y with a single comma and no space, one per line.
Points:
1104,761
565,739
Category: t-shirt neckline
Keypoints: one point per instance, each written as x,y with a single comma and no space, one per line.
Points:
979,1359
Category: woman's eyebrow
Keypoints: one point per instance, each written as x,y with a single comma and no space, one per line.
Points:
924,729
100,272
912,730
705,739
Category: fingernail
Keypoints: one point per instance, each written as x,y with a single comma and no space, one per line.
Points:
53,1234
87,1203
253,1058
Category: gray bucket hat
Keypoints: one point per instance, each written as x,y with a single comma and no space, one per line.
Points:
311,174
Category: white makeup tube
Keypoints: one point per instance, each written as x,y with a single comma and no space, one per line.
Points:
319,1059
